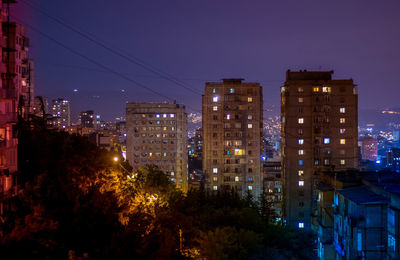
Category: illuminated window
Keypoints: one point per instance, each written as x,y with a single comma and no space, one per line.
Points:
301,173
326,89
250,178
301,141
326,161
327,140
215,179
342,120
250,187
342,110
249,99
301,183
301,162
342,130
342,141
165,154
342,162
300,90
215,187
301,224
164,115
171,115
228,116
158,115
215,108
237,178
250,117
301,152
232,90
239,151
215,99
300,120
316,89
213,90
249,125
215,170
301,100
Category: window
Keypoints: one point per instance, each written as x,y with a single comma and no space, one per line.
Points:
342,120
213,90
215,178
228,116
232,90
158,116
301,152
215,99
301,100
301,224
171,115
301,141
300,162
342,130
327,140
300,120
301,173
316,89
300,90
250,178
250,187
326,162
215,170
342,162
215,187
342,110
342,141
300,131
237,178
301,183
215,108
249,125
249,117
249,99
326,89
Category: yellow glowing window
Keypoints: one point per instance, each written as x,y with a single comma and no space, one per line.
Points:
342,120
326,89
215,179
239,151
249,99
250,187
342,162
237,178
300,89
301,100
300,120
215,108
316,89
342,141
301,173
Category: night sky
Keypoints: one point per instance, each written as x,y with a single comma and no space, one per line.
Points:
199,41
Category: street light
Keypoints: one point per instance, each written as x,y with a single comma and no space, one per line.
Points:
116,159
130,175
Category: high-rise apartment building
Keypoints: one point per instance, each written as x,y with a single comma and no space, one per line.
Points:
157,134
319,133
16,88
232,135
88,119
61,113
369,148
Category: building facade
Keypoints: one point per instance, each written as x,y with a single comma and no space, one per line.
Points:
232,135
369,148
88,119
61,113
157,134
319,133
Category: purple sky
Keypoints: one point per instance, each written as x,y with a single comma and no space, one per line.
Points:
199,41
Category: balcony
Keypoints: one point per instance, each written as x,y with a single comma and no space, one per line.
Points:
8,118
8,93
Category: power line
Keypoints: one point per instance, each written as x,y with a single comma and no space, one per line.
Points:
111,49
95,62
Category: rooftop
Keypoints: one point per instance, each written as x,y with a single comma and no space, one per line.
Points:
362,195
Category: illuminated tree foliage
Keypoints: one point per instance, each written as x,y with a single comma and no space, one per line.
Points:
78,204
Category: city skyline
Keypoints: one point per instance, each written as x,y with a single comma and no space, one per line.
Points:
258,42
